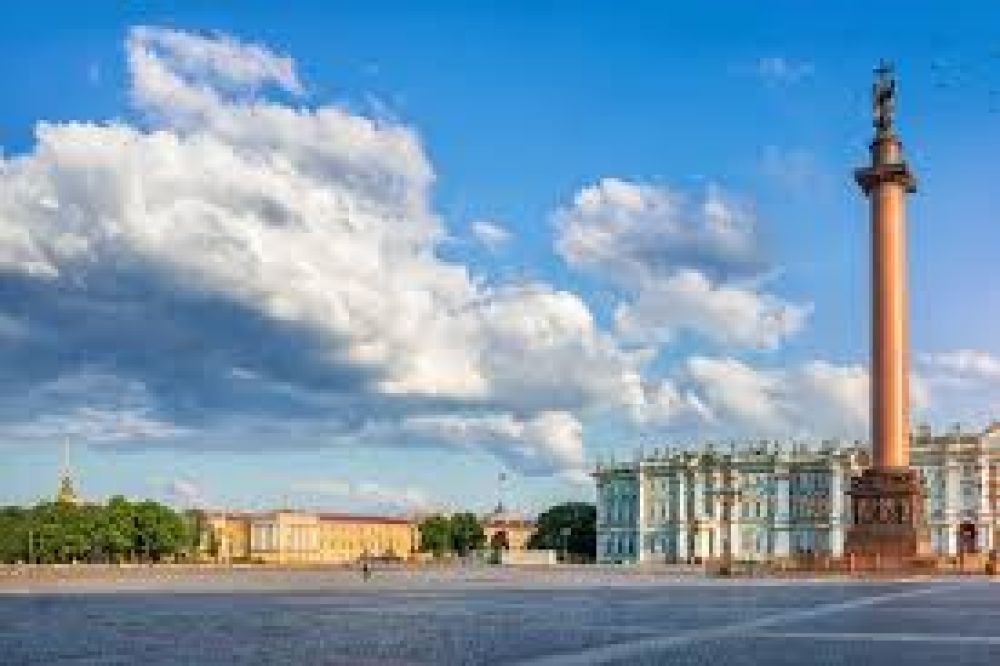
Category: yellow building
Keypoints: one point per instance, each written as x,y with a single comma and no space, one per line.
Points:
225,537
347,537
298,537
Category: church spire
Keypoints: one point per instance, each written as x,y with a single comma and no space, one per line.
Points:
67,493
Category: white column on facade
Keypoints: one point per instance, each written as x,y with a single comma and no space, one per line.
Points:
713,484
984,517
729,484
782,503
984,486
640,511
993,517
736,517
680,513
698,511
836,508
953,503
729,531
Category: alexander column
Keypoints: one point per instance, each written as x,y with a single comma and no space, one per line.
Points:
886,499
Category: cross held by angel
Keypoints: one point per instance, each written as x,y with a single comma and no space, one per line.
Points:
883,96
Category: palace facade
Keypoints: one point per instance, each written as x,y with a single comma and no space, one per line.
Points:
298,537
771,501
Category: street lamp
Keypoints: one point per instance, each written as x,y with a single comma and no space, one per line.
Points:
565,532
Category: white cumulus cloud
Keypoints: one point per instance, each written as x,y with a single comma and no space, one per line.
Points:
730,314
681,266
237,255
813,399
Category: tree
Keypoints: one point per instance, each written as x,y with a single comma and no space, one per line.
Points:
160,530
118,529
466,533
435,535
571,526
14,534
62,532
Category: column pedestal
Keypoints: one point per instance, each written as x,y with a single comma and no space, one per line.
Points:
887,512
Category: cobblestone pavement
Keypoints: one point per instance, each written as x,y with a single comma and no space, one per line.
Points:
665,622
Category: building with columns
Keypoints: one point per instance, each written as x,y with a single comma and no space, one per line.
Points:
960,472
302,537
770,501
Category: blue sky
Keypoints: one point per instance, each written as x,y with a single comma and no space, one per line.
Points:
367,256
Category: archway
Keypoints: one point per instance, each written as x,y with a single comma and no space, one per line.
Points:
967,538
500,540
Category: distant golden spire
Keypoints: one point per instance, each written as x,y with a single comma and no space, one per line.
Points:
67,493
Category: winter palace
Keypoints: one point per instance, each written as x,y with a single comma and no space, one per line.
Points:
770,500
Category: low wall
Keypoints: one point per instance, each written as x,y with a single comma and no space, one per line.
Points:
528,557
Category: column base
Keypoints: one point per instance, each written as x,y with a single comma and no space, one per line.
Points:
887,512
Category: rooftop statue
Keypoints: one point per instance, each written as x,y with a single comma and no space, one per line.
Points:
883,97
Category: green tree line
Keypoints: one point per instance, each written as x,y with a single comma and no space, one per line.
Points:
568,528
461,534
118,531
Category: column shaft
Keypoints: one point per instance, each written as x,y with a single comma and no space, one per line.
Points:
890,402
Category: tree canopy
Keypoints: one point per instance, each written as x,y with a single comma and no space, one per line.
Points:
466,533
571,526
57,532
461,534
435,535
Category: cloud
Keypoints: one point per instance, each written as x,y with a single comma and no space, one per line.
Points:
779,70
961,385
962,365
731,315
85,405
546,441
185,492
367,493
680,265
162,59
93,425
635,232
234,271
813,399
490,234
260,269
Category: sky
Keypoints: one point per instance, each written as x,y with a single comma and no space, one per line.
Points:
365,256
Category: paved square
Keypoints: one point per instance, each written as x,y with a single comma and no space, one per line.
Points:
467,622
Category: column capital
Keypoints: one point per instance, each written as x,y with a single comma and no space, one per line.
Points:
868,178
